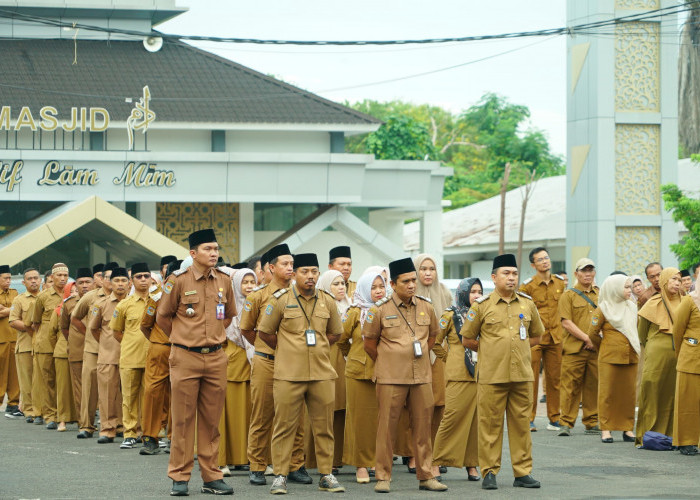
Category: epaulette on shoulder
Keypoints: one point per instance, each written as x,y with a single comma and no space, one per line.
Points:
280,292
328,293
522,294
382,301
560,277
425,299
179,272
449,309
259,287
527,281
67,299
482,298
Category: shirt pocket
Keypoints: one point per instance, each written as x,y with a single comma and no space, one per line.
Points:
190,302
391,327
320,320
294,319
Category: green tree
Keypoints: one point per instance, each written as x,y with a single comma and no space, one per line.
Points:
686,210
401,137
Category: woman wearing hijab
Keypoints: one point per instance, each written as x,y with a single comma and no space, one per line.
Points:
686,337
65,403
235,419
655,328
456,443
332,281
613,330
361,410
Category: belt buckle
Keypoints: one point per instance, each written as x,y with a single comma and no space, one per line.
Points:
205,350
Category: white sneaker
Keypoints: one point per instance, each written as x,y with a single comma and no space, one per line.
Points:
279,486
269,471
226,471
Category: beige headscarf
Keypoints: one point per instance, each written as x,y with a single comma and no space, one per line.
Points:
620,313
655,310
437,292
324,283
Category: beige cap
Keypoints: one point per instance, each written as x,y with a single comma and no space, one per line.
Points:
583,262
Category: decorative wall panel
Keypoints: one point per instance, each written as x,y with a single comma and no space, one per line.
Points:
178,220
636,4
637,67
635,247
637,169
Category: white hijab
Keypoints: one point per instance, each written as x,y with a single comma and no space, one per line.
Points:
620,313
324,283
233,332
362,297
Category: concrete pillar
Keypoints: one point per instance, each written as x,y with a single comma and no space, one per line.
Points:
246,230
146,212
431,236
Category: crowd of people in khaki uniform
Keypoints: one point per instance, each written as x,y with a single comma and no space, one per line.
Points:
271,366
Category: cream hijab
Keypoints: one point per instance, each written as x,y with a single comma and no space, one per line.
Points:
620,313
324,283
233,332
438,293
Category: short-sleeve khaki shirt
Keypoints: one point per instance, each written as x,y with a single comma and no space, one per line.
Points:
396,326
102,313
576,309
613,346
686,336
503,356
546,297
127,319
22,309
295,361
148,321
359,365
7,333
201,292
76,340
81,312
60,349
253,308
455,369
46,302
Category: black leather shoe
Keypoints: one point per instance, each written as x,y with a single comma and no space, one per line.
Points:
150,446
104,440
489,482
411,470
257,477
443,469
38,420
606,440
120,434
300,476
526,482
84,435
688,450
218,487
179,489
52,426
627,439
472,477
241,467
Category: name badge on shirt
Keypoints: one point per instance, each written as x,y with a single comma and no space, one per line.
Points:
523,330
417,349
219,311
310,337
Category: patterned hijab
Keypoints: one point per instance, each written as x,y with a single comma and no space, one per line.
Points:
462,300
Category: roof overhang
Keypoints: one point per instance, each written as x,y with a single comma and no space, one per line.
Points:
157,11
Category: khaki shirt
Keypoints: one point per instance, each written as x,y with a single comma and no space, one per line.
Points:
22,309
296,361
546,297
351,287
686,336
503,356
7,333
76,340
127,319
253,308
46,302
359,365
576,309
81,312
396,362
60,349
202,292
455,369
102,313
148,321
613,348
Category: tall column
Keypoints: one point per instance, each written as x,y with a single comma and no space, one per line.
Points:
431,237
622,136
246,230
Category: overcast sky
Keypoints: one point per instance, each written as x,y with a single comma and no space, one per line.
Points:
532,74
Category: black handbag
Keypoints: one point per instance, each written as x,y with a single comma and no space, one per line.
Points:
468,362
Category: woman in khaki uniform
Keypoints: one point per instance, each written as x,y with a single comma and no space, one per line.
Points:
235,419
659,376
613,331
361,409
686,337
456,443
65,403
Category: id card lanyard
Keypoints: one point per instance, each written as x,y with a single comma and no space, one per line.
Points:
417,349
309,332
220,305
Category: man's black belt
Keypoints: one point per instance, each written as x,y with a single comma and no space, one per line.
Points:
266,356
200,350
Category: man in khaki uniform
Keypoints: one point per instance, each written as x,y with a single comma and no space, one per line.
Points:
506,324
20,313
579,364
97,274
196,307
80,316
45,304
545,289
84,282
399,332
302,323
279,263
340,259
108,382
164,261
126,328
9,382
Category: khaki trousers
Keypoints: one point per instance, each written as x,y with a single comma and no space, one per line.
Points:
47,372
65,406
579,382
37,388
551,354
198,389
289,399
457,440
686,415
235,421
132,396
262,411
76,376
361,414
25,369
88,392
110,400
515,398
9,381
156,383
391,399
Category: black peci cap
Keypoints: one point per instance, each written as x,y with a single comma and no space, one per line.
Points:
83,272
264,259
305,260
118,272
240,265
505,260
278,251
5,269
167,260
342,251
140,267
110,266
685,273
97,268
201,236
401,266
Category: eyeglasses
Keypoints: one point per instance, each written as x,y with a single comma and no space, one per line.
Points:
542,259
